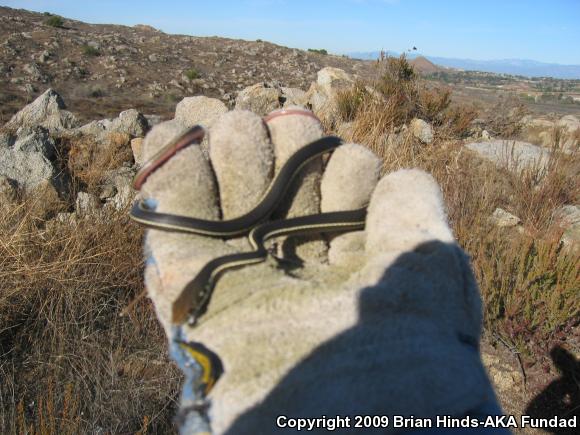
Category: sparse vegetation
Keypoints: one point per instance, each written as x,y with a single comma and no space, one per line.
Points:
54,21
318,51
398,97
89,50
351,100
192,74
81,349
528,281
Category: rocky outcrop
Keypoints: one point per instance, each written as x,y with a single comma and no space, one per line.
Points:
129,122
48,111
199,110
35,139
323,93
504,219
570,123
260,98
514,155
120,183
421,130
28,169
568,217
27,146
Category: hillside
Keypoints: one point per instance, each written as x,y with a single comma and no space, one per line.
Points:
101,69
82,349
424,65
521,67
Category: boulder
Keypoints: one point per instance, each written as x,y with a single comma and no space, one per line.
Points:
28,169
6,140
568,217
540,123
153,120
330,80
137,148
514,155
35,139
421,130
322,94
570,123
130,122
260,98
48,111
121,182
293,97
199,110
504,219
95,128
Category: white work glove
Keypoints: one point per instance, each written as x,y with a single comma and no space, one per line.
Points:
384,321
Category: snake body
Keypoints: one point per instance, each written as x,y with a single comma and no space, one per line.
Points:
195,296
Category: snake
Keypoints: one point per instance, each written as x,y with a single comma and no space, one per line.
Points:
195,296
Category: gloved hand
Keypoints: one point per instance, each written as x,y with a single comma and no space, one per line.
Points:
383,321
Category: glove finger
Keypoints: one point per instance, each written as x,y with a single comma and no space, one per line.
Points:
200,110
243,161
411,252
406,210
183,185
347,184
290,130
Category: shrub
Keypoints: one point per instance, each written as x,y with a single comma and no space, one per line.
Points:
192,74
528,281
96,92
318,51
89,50
350,101
54,21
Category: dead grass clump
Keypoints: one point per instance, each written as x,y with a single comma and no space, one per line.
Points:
398,97
88,161
505,118
70,362
528,282
537,193
350,101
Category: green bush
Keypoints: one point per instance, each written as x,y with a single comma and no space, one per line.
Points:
318,51
89,50
54,21
192,74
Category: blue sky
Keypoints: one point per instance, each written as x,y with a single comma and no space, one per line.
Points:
544,30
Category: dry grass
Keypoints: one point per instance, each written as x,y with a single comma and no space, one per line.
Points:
70,363
528,281
396,98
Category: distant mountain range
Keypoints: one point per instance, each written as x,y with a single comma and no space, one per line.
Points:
523,67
